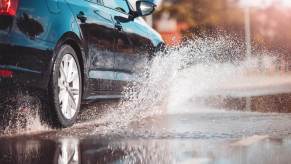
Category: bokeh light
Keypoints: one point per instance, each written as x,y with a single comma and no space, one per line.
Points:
265,3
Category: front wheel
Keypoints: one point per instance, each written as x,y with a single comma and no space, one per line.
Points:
65,87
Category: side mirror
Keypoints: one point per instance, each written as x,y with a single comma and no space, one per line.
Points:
144,8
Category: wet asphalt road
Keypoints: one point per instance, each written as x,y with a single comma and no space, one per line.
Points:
192,136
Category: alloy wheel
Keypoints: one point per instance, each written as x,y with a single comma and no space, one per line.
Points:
69,86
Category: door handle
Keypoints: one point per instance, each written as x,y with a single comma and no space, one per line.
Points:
118,26
82,17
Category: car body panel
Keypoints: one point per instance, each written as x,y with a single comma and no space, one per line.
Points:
109,57
28,40
98,32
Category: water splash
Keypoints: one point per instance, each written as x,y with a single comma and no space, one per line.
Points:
24,118
175,78
172,82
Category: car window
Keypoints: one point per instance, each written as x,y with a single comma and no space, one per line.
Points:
132,4
95,1
120,5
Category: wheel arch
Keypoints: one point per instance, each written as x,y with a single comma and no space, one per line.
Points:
70,38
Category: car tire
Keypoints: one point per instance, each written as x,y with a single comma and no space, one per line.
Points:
65,88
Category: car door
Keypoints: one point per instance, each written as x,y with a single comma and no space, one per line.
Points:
98,31
131,45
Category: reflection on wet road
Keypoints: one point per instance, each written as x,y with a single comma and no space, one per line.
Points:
204,136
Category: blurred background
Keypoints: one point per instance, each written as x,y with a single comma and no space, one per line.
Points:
262,23
258,25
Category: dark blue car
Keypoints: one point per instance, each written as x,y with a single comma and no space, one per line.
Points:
73,51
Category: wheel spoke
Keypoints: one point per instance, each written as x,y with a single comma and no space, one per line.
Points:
72,101
71,64
61,83
73,76
66,65
62,95
65,104
62,71
74,91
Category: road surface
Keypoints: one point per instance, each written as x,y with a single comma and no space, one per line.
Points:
175,132
197,136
